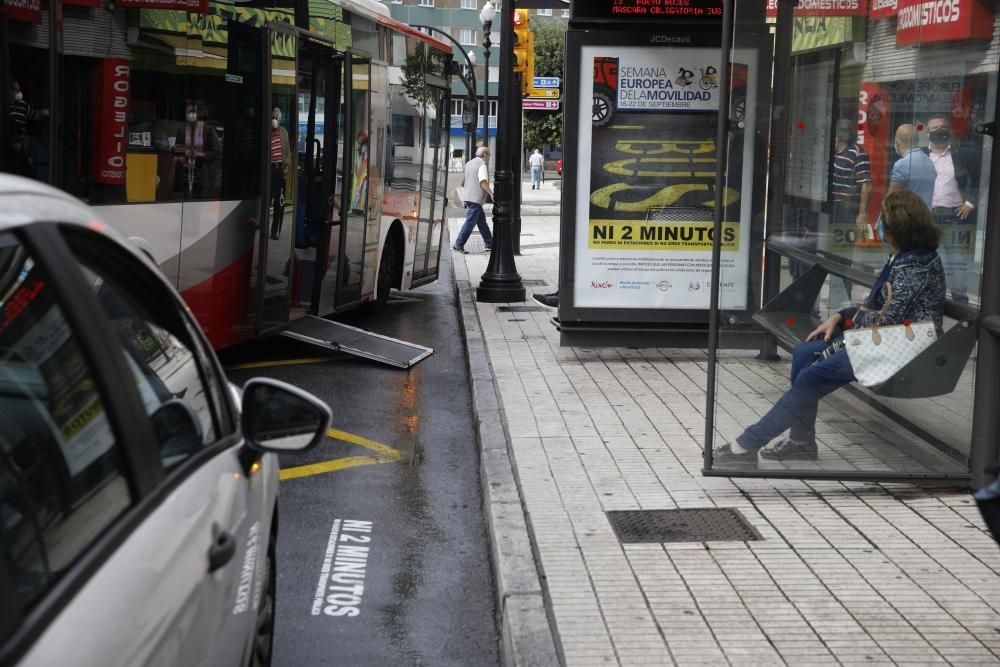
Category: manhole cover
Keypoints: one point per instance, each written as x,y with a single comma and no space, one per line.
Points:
685,525
520,309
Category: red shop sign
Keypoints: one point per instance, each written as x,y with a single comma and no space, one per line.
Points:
882,9
111,101
875,137
27,11
923,21
196,6
824,8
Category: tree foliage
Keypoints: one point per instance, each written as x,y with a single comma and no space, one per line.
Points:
545,127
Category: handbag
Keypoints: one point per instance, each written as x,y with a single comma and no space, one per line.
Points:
879,352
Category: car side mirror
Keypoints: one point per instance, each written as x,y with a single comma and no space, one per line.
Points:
278,417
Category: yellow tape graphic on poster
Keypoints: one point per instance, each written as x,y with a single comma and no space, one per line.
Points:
648,235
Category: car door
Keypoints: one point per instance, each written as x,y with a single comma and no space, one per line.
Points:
180,587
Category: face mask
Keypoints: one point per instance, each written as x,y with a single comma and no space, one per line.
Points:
192,117
940,136
18,96
274,123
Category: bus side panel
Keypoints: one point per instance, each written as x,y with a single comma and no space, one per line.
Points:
156,226
217,267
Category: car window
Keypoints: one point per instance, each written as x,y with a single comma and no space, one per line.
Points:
62,474
167,370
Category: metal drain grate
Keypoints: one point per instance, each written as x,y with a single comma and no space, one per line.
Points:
520,309
685,525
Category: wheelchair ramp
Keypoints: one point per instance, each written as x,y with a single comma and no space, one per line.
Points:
361,343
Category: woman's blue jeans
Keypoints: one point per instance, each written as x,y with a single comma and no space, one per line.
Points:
796,409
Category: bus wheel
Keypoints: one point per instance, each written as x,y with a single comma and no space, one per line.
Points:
386,271
603,110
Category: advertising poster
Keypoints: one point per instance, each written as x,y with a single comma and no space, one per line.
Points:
646,183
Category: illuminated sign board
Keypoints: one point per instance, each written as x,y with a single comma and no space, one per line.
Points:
645,10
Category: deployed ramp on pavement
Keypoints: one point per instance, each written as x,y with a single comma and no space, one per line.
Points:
361,343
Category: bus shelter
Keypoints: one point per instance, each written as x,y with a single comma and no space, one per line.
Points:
856,93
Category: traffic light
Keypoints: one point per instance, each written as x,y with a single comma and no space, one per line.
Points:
524,50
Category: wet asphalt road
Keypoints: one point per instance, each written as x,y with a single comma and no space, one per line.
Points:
421,584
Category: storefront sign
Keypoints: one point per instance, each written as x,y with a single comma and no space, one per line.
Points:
821,32
26,11
111,102
875,137
824,8
882,9
646,191
196,6
924,21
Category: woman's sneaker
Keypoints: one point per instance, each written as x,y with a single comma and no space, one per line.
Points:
792,450
724,457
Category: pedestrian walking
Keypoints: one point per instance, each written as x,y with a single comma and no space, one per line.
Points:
536,161
475,189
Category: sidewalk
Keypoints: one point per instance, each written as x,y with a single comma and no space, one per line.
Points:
846,573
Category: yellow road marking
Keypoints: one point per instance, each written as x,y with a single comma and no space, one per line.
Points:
331,466
283,362
386,454
626,127
385,450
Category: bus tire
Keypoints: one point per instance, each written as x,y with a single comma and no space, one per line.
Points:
386,272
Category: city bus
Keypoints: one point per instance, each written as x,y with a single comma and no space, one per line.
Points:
159,113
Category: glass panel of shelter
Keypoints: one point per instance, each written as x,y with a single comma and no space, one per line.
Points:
873,107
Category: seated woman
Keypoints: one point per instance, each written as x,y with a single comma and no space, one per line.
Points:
821,365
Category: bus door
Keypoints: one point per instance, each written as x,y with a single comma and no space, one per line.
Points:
276,269
317,226
353,246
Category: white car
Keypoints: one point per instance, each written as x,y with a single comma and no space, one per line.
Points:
138,503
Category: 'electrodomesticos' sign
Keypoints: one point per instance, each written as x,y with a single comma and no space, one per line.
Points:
922,21
824,8
111,100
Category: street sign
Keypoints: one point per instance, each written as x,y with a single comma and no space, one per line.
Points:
544,94
546,82
543,105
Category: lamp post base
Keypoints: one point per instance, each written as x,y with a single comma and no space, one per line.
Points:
502,289
501,283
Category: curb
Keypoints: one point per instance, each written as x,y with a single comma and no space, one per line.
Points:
526,635
539,210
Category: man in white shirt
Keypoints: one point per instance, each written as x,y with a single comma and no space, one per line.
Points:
475,189
952,200
536,161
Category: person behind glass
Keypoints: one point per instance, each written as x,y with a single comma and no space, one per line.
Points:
22,119
535,161
475,189
820,365
280,161
913,171
851,181
957,175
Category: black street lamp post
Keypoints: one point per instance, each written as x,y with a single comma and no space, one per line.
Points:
501,283
486,16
